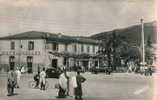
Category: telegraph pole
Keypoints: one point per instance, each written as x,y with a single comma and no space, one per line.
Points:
142,43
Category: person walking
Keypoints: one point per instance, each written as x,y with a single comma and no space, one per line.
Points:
78,90
72,85
42,79
37,79
11,82
18,76
63,85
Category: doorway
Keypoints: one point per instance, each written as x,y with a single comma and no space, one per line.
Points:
85,64
54,63
12,62
29,64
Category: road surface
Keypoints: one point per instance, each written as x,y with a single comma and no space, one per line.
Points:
117,86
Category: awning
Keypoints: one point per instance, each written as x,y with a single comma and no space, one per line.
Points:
73,55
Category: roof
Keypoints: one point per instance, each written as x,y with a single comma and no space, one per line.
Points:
50,37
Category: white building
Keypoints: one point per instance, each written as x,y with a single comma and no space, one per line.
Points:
154,53
41,49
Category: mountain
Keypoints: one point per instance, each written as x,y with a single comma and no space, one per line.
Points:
132,34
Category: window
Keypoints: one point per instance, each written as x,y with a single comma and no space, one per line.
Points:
12,45
93,49
12,59
12,62
75,47
55,46
96,63
29,64
65,61
82,48
88,49
66,47
48,46
30,45
29,59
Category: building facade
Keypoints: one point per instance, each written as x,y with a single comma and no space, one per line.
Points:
154,54
33,49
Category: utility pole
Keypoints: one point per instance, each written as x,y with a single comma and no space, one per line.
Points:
142,43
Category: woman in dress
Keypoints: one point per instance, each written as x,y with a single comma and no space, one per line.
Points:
63,85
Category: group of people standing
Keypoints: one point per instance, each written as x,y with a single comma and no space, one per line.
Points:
70,83
67,85
13,80
40,79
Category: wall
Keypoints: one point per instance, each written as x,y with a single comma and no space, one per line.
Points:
21,53
61,48
40,55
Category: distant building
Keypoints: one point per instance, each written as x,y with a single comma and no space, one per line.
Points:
41,49
154,53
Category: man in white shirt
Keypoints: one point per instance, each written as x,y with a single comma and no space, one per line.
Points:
18,76
42,79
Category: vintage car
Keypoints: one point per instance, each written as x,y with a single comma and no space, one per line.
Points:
52,72
96,70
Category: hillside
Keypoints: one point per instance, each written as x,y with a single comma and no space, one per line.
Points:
132,34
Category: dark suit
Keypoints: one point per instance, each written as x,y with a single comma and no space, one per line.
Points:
11,82
78,90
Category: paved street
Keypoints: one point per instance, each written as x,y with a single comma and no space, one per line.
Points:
118,86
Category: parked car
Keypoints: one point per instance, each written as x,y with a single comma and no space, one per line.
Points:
52,73
121,69
96,70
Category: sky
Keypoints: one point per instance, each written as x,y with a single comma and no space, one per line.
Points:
73,17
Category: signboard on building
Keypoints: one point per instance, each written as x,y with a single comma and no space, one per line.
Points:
20,53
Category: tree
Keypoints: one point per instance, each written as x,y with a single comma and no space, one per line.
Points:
112,51
149,52
116,47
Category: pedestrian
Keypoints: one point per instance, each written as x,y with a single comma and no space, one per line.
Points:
78,90
72,85
42,79
63,85
18,76
11,82
37,79
150,71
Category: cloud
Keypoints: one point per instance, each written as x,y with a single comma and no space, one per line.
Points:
23,2
72,16
29,2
